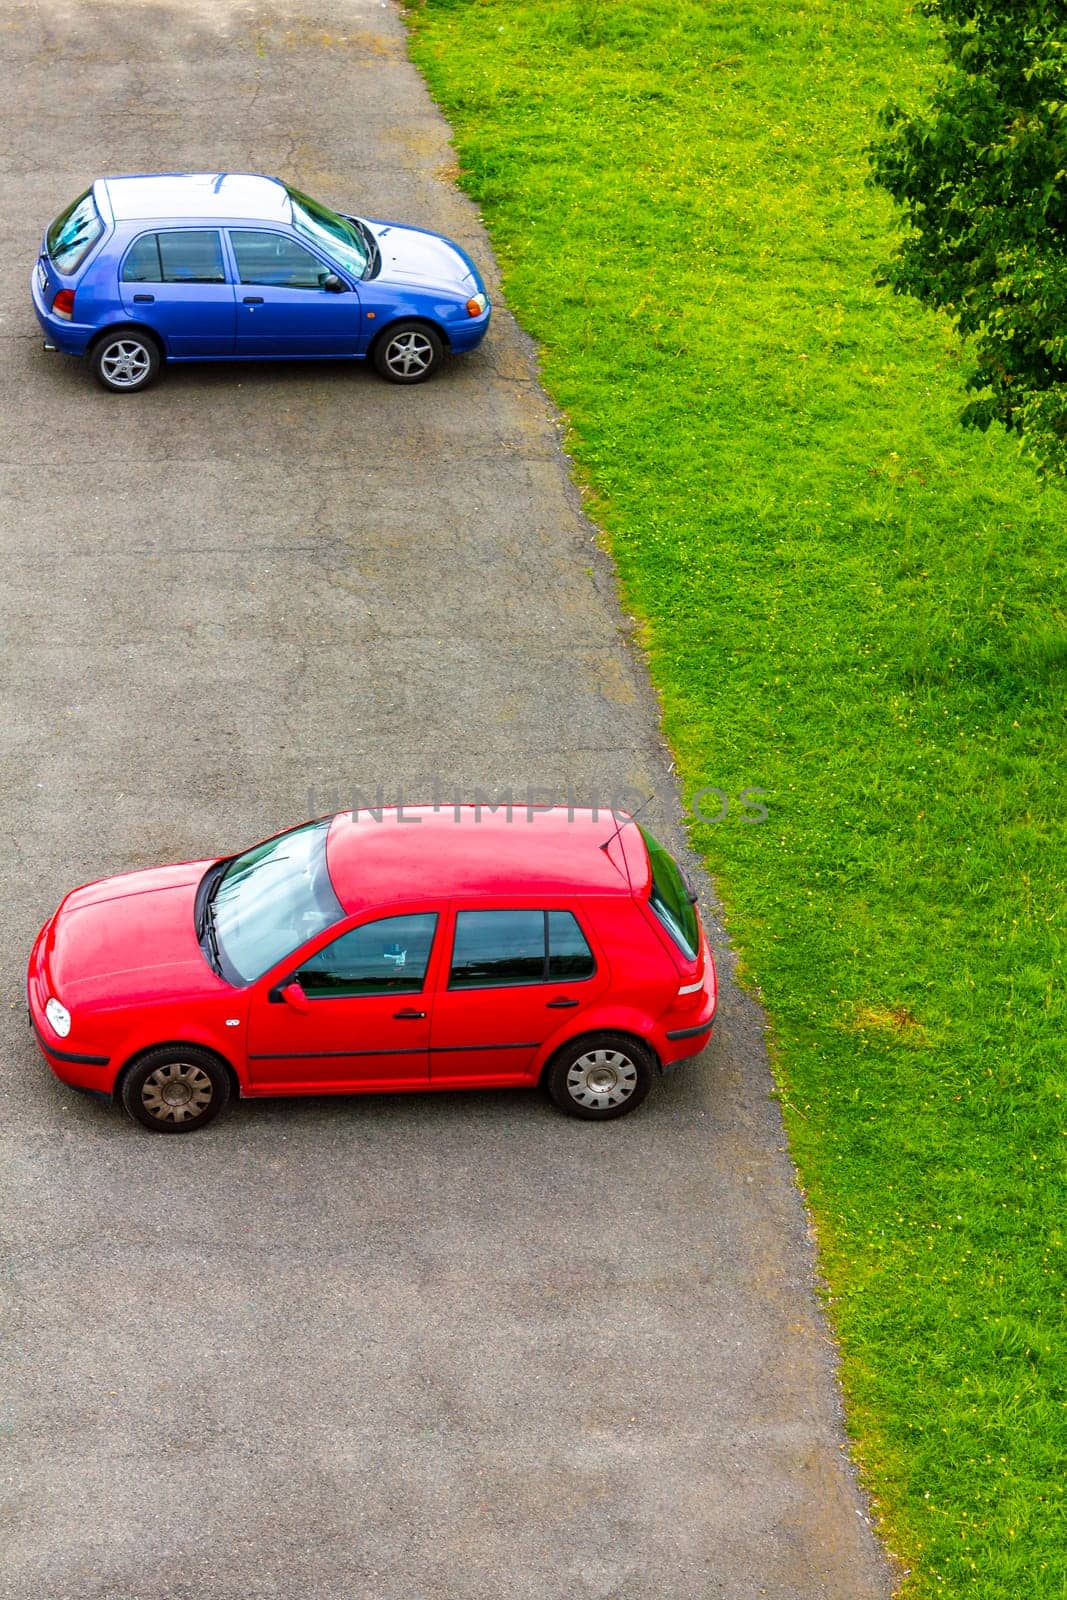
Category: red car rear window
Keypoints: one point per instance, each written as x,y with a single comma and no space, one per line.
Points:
671,899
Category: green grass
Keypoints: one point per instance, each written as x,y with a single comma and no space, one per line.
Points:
851,603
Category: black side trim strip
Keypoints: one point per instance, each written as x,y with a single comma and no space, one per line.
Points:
68,1055
691,1033
310,1055
436,1050
455,1049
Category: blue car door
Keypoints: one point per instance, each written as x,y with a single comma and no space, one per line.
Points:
283,308
174,280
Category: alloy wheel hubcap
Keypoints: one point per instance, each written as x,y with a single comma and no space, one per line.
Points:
602,1078
176,1092
409,354
125,363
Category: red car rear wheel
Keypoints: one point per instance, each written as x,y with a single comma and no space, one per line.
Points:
603,1075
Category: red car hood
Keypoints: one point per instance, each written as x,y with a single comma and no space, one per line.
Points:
129,940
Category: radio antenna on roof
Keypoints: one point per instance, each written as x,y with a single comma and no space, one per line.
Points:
631,818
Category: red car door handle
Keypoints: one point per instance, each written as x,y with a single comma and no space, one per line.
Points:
559,1005
409,1016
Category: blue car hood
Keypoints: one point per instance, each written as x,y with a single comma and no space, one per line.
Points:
411,256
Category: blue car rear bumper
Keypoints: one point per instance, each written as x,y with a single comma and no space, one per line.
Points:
70,337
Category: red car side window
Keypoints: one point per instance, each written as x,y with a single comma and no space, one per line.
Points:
385,957
496,949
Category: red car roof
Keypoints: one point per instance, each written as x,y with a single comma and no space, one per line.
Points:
472,850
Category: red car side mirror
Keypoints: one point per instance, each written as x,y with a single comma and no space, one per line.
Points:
293,995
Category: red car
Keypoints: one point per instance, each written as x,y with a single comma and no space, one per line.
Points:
410,948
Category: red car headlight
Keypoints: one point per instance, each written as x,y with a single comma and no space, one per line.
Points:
58,1016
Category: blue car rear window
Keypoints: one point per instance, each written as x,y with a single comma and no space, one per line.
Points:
74,232
178,255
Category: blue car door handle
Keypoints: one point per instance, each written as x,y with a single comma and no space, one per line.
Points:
253,300
144,297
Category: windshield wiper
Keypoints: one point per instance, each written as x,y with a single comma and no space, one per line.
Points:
207,929
205,914
370,243
209,888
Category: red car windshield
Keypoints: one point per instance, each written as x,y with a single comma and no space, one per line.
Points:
271,900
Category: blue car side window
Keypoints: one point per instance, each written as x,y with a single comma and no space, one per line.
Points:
191,255
142,261
271,258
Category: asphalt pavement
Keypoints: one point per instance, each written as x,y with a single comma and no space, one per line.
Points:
381,1347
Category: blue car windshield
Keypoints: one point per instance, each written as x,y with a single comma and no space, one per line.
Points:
338,237
271,900
74,232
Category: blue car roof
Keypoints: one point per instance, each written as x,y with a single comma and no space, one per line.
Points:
198,194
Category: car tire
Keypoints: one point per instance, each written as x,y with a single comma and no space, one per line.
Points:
125,360
176,1089
408,352
600,1076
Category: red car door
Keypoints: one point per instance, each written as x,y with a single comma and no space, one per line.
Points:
515,977
354,1014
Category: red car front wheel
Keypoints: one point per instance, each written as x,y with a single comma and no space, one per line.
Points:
176,1089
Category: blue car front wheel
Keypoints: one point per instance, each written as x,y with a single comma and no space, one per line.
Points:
408,352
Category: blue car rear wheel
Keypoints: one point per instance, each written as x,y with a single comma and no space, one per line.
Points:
125,360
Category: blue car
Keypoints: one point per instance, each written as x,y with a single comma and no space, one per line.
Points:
221,266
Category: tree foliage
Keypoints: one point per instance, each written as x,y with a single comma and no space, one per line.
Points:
981,173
